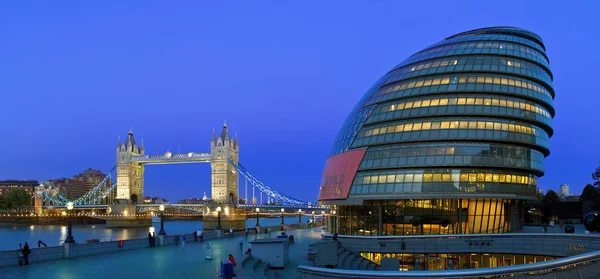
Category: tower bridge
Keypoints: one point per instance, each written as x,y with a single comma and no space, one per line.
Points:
128,189
131,160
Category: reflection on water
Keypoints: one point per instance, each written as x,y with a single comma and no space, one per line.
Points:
11,235
61,238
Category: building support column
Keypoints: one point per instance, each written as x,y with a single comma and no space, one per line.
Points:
380,212
459,216
522,220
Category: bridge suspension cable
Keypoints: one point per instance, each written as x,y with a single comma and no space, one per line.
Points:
101,191
282,198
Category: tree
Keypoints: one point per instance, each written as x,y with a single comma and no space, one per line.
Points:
540,196
551,197
17,199
590,196
589,193
549,205
596,177
3,203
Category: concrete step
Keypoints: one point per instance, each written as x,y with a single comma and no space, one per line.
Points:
256,264
266,270
354,263
362,265
260,270
272,274
371,265
247,260
342,259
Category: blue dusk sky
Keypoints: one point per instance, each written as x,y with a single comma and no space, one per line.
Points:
75,75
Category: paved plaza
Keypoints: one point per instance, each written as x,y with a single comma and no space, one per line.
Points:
164,262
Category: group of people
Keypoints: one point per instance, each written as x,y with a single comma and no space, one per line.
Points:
24,252
198,236
180,240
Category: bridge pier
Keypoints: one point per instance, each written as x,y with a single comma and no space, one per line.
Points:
125,216
230,217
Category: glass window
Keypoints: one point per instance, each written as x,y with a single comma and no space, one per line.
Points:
418,177
390,178
427,177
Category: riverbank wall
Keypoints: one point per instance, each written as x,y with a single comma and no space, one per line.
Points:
66,251
50,220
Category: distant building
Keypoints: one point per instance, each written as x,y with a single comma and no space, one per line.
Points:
564,190
570,198
191,201
27,185
155,200
80,184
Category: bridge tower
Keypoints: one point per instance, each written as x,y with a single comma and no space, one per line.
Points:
224,175
130,175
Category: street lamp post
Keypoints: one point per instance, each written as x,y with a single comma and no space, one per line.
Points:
323,218
161,208
282,210
70,234
333,222
313,219
257,211
299,217
219,218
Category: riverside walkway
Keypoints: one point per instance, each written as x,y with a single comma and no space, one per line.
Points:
166,261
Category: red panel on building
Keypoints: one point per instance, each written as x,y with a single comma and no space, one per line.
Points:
339,173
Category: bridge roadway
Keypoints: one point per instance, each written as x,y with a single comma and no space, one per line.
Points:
169,158
198,207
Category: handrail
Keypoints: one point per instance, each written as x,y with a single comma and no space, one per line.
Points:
457,273
490,235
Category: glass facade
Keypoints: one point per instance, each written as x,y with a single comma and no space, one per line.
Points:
456,261
435,216
455,138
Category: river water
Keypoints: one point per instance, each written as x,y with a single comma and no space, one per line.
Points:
12,234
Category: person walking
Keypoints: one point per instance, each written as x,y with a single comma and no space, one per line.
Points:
26,252
246,232
195,236
241,240
153,239
20,254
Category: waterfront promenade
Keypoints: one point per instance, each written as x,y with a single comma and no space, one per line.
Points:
167,261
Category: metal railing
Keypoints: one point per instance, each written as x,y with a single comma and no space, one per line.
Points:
586,265
438,236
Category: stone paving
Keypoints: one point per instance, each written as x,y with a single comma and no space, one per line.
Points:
164,262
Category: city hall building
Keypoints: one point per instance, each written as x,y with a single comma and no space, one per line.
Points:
450,141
